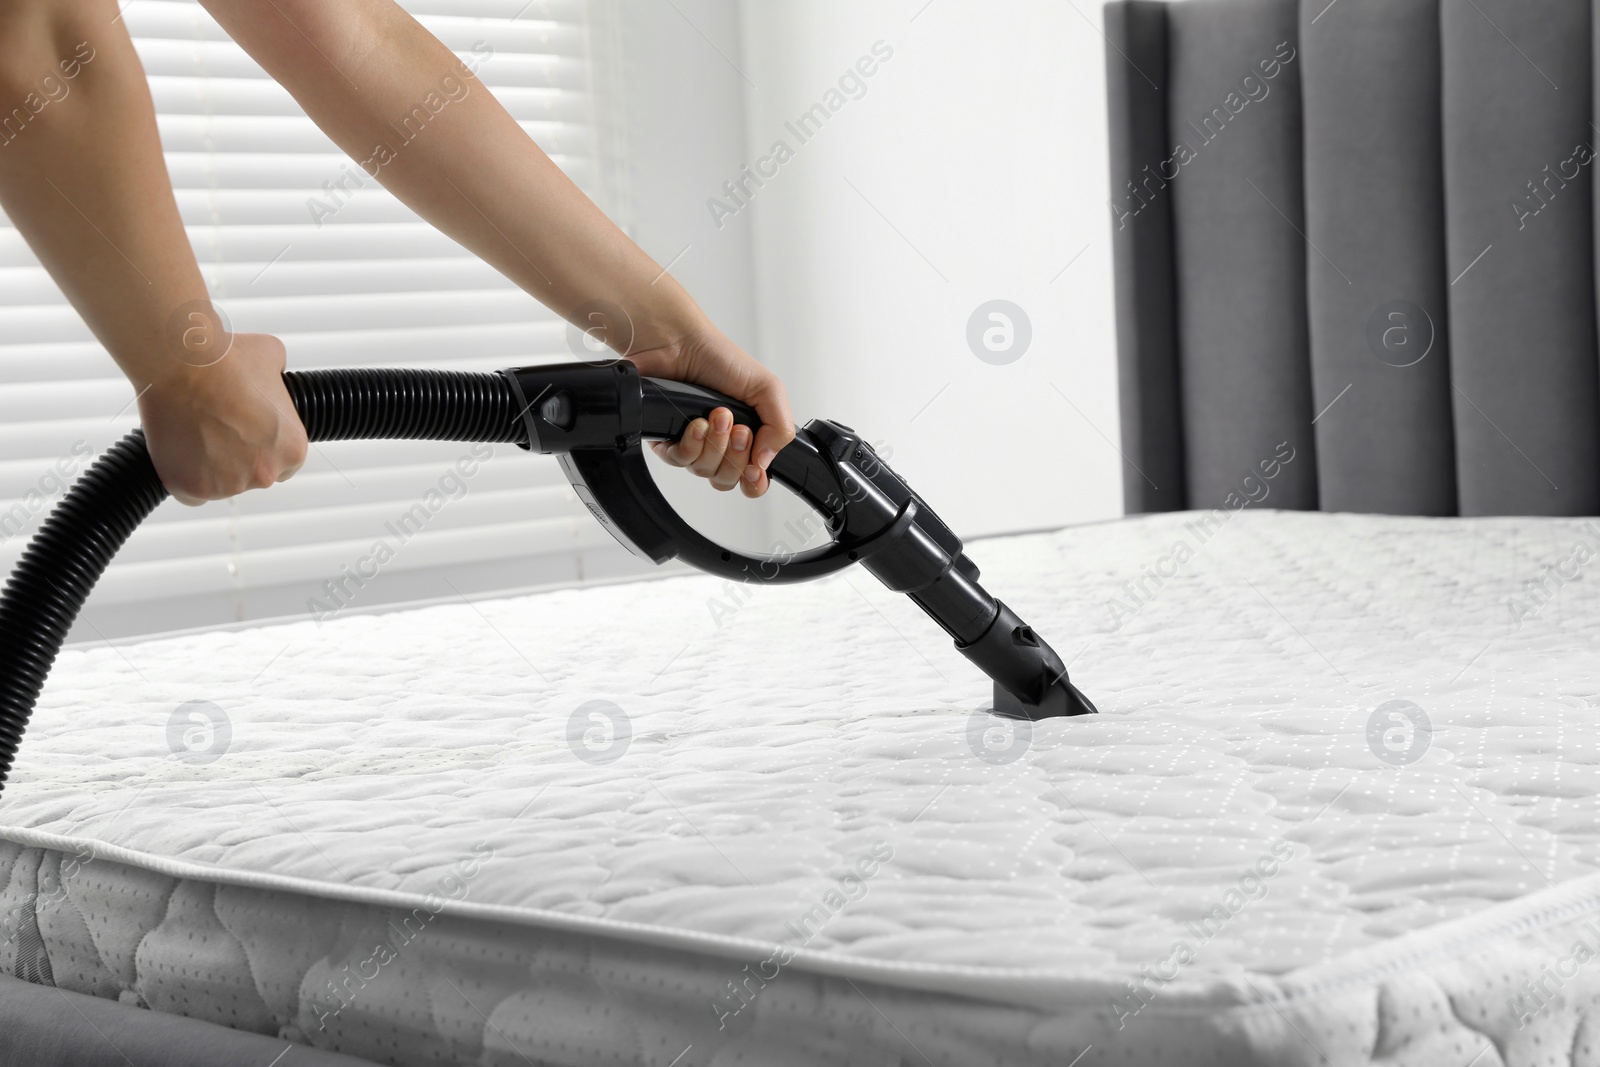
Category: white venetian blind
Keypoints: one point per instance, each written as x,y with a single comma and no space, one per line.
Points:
345,278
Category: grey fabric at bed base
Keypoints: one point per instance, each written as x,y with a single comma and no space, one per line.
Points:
1365,230
43,1026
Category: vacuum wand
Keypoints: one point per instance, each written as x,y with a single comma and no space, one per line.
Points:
595,418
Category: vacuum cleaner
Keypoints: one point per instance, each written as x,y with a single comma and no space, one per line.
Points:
595,418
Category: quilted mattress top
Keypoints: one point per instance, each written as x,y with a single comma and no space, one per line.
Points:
1323,737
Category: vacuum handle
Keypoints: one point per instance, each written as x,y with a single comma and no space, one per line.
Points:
669,408
822,481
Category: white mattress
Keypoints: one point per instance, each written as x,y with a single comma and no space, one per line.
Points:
401,809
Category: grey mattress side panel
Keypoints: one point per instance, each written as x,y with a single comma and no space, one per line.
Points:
1238,204
463,990
66,983
1376,274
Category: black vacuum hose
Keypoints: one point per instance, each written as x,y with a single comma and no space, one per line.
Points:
120,489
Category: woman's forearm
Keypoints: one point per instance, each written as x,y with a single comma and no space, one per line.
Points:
82,177
401,104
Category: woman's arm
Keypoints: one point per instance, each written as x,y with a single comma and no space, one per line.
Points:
398,101
83,179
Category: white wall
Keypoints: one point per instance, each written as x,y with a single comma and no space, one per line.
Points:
681,110
977,153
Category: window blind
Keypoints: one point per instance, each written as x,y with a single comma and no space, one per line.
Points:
295,240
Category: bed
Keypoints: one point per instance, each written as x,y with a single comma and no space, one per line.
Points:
1337,808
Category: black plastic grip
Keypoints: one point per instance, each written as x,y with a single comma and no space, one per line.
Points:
669,408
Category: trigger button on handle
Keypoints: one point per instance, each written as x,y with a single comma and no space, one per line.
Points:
558,411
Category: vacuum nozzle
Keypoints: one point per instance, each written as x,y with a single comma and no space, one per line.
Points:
1061,697
1030,681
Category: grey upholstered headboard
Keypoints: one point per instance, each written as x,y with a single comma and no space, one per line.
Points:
1364,231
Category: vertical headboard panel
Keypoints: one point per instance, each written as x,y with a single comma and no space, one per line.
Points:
1147,369
1233,130
1374,215
1522,318
1376,270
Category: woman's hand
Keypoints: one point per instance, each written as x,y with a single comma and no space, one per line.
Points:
717,449
217,430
